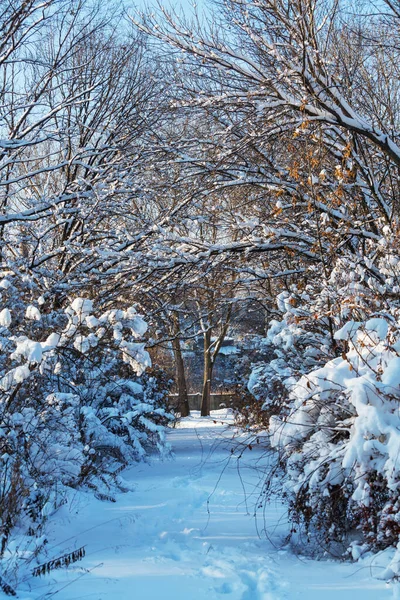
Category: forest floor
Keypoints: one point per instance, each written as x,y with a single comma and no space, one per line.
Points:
188,532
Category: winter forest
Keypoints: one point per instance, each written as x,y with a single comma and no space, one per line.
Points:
200,300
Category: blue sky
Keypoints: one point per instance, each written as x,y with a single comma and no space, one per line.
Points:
185,4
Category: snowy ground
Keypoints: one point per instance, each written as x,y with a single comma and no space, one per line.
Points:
188,532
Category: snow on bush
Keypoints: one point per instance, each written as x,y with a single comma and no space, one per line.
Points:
340,443
303,338
295,347
78,401
336,427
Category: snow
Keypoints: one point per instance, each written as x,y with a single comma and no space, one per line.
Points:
379,326
82,307
136,356
5,318
348,330
29,349
391,376
91,321
21,373
5,284
137,324
187,531
228,350
33,313
82,344
51,342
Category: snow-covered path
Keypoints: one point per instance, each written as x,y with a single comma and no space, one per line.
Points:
186,533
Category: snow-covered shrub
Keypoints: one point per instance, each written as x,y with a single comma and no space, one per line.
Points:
303,338
340,443
336,423
292,346
77,402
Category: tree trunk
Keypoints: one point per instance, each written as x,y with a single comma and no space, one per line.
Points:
183,400
207,375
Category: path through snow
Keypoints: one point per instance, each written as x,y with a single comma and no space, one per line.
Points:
186,533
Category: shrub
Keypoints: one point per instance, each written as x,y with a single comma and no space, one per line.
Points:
78,401
339,443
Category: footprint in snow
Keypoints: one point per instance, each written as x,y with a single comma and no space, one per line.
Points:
184,482
243,578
